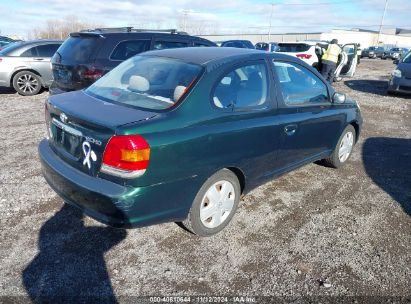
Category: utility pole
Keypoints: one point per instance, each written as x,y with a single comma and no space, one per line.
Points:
185,13
269,28
382,21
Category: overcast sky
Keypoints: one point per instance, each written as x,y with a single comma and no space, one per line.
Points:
221,16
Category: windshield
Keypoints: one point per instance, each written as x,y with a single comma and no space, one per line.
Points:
147,82
395,49
293,47
372,48
407,58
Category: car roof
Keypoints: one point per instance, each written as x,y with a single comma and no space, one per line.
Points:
39,41
148,33
210,56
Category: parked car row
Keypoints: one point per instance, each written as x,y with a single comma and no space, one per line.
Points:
82,58
383,52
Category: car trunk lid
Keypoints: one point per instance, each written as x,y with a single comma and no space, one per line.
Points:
80,127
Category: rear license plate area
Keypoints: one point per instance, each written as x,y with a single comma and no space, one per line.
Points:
67,138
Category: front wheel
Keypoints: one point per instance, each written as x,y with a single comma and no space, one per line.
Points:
343,150
215,204
27,83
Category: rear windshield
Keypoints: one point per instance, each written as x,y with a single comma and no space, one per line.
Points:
153,83
78,49
11,47
293,47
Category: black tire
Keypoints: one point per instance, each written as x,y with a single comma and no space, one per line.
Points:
333,160
27,83
193,222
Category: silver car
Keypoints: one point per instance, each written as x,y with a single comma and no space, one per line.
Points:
26,67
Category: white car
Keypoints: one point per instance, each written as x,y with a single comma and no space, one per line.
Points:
312,51
309,52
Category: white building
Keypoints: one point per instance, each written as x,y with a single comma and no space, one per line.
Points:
392,37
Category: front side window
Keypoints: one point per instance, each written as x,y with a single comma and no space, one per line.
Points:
159,45
349,49
244,87
299,86
146,82
127,49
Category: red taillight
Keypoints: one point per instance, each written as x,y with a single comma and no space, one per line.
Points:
92,73
304,56
1,59
126,156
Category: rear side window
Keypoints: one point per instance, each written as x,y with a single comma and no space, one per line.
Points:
262,46
159,45
31,52
127,49
47,50
293,47
244,87
299,86
78,49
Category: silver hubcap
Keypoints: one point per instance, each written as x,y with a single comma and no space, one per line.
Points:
346,147
27,83
217,204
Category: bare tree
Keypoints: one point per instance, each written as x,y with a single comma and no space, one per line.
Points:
195,26
61,28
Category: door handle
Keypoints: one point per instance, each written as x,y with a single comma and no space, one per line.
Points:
39,59
290,129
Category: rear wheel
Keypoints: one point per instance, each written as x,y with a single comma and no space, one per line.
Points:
343,150
27,83
215,204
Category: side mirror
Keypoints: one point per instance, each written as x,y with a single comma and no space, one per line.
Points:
339,98
396,61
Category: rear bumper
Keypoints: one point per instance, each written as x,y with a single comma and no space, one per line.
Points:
400,85
114,204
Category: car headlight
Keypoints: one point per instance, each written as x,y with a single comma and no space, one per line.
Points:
396,73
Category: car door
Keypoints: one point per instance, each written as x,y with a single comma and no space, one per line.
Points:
40,61
349,69
248,135
309,122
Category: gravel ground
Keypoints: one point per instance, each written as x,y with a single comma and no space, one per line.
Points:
313,232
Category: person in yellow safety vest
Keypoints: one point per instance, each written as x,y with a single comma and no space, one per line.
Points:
329,60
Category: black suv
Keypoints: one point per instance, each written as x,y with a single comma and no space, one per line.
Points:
87,55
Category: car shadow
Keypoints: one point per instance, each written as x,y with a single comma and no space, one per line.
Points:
388,162
4,90
70,265
378,87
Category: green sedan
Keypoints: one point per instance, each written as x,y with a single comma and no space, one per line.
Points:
180,134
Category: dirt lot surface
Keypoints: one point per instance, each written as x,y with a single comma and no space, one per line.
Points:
313,232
